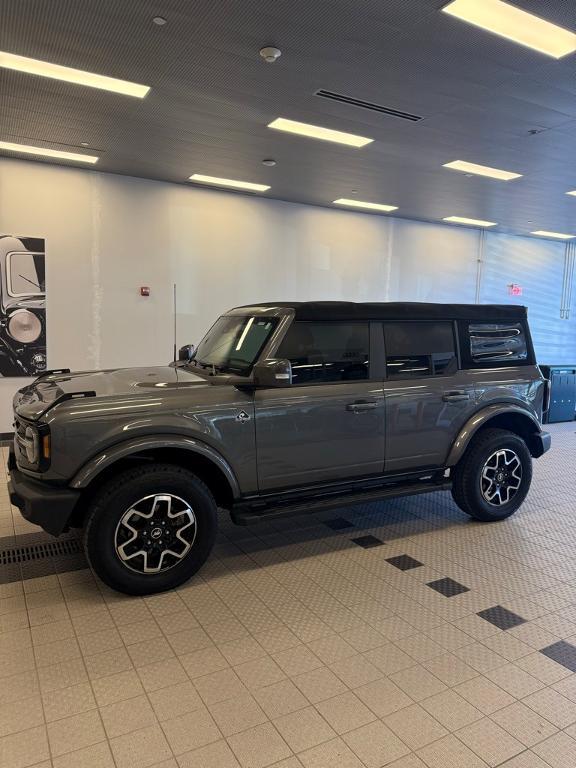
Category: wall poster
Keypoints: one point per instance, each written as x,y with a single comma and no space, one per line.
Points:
22,306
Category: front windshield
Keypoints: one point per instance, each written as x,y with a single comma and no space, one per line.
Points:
234,343
26,275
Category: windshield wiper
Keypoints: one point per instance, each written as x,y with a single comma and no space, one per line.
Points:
210,366
219,368
36,285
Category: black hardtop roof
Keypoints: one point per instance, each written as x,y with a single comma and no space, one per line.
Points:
350,310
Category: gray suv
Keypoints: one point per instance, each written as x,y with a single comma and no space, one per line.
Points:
282,409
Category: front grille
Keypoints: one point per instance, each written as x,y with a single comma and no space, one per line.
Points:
22,442
20,431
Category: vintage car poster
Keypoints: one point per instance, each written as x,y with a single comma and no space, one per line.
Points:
22,306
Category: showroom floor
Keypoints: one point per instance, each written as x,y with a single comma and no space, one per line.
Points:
397,634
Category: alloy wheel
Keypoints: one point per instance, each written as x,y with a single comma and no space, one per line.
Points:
155,533
501,477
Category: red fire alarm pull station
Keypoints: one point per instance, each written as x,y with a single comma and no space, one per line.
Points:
514,289
144,291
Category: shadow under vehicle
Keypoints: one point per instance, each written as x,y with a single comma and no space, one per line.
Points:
282,409
22,306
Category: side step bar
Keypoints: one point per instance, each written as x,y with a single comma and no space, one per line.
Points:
246,514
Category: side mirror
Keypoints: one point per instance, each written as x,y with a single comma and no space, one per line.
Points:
186,352
272,373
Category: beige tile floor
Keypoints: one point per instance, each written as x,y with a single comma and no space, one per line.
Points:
295,647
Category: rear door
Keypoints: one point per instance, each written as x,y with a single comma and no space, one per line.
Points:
428,397
329,425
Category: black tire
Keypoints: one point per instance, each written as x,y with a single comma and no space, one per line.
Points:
110,505
468,486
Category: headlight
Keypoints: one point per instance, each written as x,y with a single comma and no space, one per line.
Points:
24,326
31,445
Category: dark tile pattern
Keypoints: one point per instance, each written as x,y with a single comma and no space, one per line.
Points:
338,524
368,542
404,562
448,587
562,652
501,617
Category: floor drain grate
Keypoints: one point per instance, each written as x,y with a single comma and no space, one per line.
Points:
63,548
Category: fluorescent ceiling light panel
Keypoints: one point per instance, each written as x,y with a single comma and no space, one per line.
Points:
515,24
317,132
369,206
555,235
470,222
43,152
482,170
69,75
573,193
202,179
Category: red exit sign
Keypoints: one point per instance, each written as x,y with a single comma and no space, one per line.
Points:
514,289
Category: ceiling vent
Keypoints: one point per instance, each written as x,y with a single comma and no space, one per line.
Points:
367,105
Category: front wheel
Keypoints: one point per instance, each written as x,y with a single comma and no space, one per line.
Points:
150,528
493,478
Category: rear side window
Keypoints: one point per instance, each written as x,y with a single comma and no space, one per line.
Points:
414,350
497,343
324,352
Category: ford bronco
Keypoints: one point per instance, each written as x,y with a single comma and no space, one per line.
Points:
281,409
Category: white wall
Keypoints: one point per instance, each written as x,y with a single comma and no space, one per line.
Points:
107,235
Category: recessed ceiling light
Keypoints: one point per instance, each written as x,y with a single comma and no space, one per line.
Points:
84,144
43,152
69,75
202,179
317,132
470,222
369,206
482,170
573,193
515,24
159,21
555,235
270,162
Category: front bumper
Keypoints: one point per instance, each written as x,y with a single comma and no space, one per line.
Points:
40,503
541,443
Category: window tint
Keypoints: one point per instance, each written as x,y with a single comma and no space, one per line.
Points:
497,342
326,351
419,349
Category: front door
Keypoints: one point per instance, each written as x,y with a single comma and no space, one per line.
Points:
428,399
330,424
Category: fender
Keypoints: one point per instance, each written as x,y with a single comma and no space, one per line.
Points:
479,419
121,450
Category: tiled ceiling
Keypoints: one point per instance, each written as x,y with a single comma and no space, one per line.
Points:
483,99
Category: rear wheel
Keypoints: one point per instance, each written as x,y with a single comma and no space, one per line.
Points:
150,528
493,478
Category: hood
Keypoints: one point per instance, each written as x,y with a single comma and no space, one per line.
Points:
32,401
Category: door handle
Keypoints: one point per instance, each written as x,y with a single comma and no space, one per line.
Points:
362,405
455,397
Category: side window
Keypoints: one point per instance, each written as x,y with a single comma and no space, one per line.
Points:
419,349
324,352
497,342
